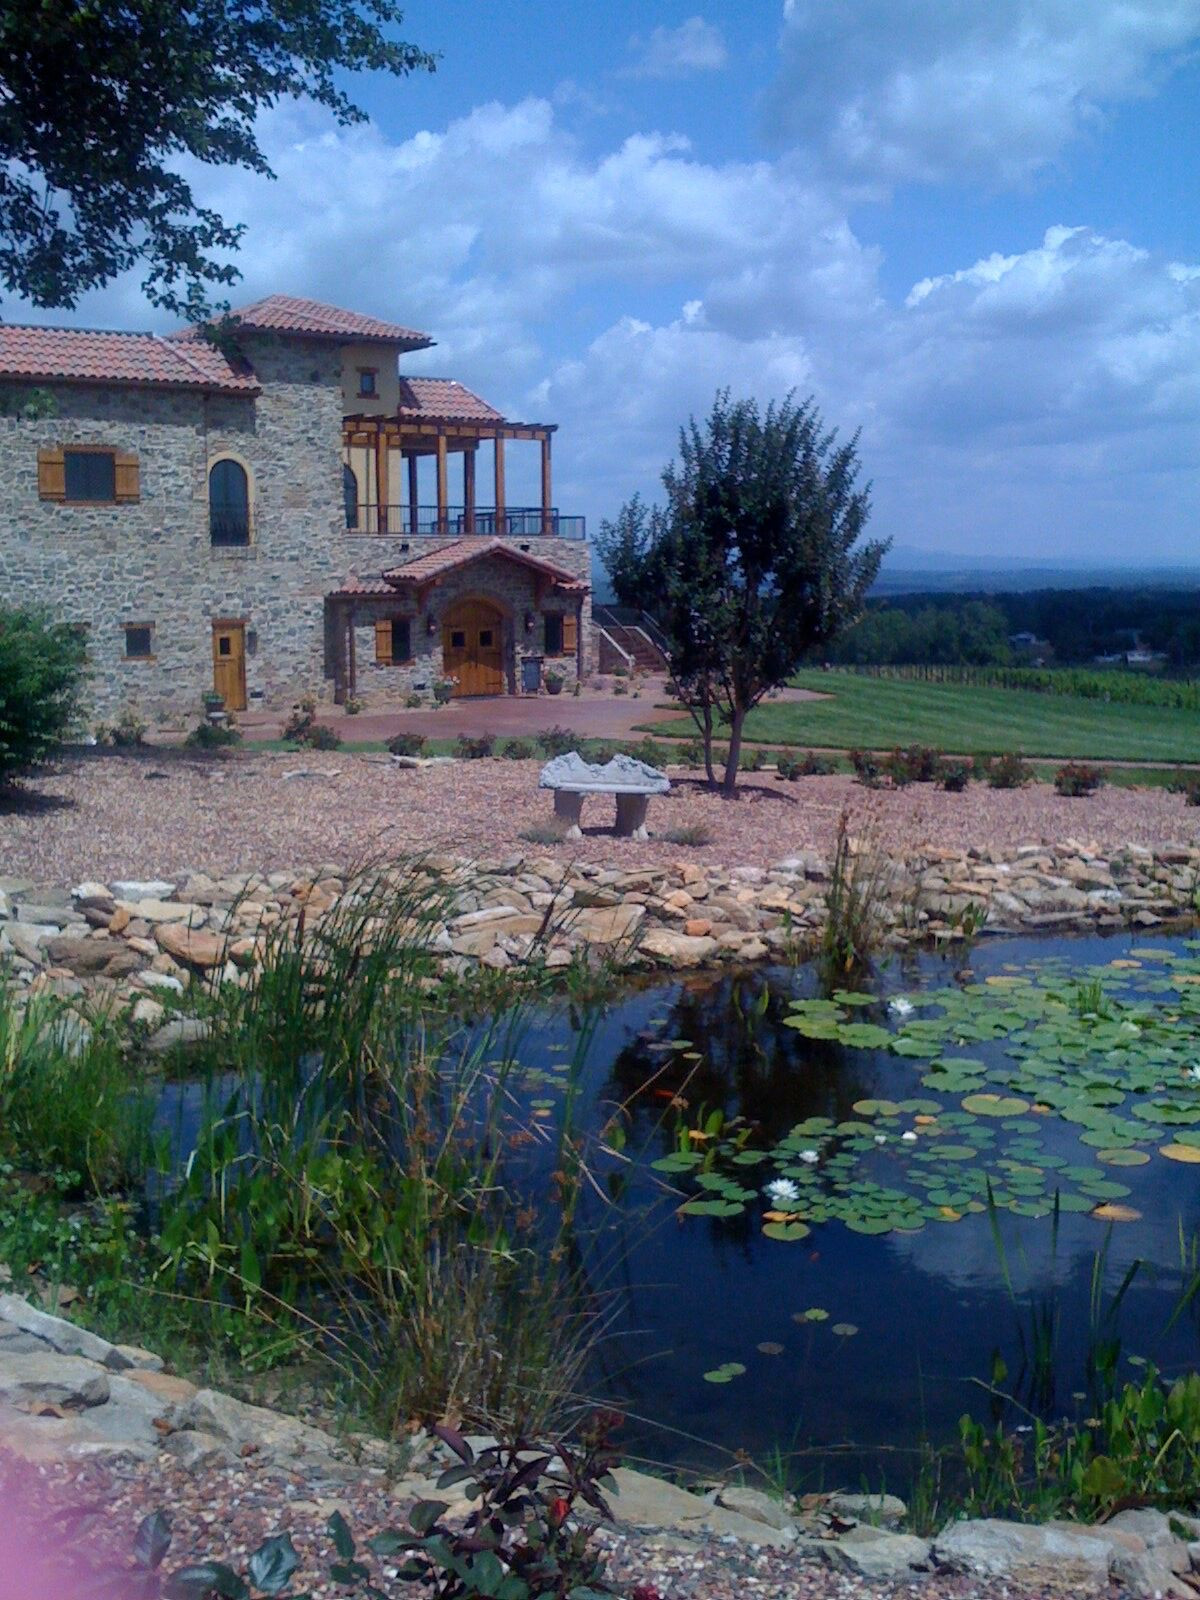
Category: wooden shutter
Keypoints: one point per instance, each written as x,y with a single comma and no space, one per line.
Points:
125,475
52,474
570,635
383,643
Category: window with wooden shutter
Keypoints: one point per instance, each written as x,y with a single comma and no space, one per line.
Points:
128,487
383,643
570,635
52,474
401,640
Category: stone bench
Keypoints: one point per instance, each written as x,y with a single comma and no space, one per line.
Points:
632,782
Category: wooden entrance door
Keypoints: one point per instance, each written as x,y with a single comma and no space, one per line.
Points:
229,663
472,647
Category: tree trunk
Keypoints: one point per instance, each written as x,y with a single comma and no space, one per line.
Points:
735,751
708,744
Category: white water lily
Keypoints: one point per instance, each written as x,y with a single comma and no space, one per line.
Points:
909,1137
809,1156
1194,1072
881,1138
782,1189
900,1007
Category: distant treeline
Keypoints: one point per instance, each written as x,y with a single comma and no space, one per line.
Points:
1072,627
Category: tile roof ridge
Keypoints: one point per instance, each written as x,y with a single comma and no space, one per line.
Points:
182,355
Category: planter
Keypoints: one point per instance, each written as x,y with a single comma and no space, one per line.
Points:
554,685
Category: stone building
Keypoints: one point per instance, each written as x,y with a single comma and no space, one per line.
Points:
247,518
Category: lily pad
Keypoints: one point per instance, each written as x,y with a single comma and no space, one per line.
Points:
727,1371
994,1105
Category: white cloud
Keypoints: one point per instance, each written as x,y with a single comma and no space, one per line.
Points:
1048,394
888,91
694,46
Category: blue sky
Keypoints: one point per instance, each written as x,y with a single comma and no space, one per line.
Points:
969,230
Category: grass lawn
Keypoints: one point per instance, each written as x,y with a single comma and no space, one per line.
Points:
877,714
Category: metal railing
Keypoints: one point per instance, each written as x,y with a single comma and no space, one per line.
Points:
515,522
229,525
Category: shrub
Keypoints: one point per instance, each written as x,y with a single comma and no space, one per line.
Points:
407,744
353,705
620,688
212,736
412,701
691,754
694,834
1009,771
753,760
518,750
299,726
324,738
1192,792
650,751
42,675
867,768
128,731
918,764
953,776
787,767
815,766
477,749
556,741
1076,779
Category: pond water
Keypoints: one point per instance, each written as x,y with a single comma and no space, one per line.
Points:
922,1279
966,1163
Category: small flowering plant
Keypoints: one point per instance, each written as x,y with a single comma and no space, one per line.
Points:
529,1536
443,689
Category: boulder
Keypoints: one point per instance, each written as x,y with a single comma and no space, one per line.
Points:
80,955
606,924
991,1548
191,945
180,1030
677,949
56,1332
141,889
198,1451
655,1503
44,1378
879,1508
29,939
877,1553
758,1506
156,911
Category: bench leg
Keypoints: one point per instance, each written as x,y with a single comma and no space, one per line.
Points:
568,808
631,816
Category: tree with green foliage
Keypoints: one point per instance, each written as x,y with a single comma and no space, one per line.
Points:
102,101
42,675
753,562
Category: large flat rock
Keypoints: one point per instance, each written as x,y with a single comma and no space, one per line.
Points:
655,1503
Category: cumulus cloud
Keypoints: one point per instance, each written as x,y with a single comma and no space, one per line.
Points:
694,46
1052,393
889,91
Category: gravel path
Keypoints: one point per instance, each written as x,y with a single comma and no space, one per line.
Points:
223,1514
162,812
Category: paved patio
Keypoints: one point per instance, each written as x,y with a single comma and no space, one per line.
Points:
594,714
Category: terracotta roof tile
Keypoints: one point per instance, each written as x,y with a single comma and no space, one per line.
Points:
443,398
285,313
365,588
89,355
431,565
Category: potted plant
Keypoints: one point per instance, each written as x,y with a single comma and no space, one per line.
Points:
554,681
214,705
443,689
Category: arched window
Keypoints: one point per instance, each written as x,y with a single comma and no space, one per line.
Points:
350,495
228,503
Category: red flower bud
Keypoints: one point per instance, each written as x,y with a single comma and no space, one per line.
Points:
559,1510
646,1591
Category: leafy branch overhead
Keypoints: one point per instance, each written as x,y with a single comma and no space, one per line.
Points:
104,104
753,562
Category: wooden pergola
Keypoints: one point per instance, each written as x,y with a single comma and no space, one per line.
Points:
414,437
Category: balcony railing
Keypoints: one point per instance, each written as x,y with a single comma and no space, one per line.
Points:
515,522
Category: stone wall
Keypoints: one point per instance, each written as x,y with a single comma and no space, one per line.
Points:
153,561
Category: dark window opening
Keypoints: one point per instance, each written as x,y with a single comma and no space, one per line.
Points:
90,475
350,496
228,503
401,642
139,640
554,635
367,382
225,645
458,639
485,639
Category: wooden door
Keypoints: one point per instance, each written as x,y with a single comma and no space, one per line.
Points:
472,648
229,663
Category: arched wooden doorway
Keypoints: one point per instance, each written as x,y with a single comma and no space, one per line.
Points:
473,647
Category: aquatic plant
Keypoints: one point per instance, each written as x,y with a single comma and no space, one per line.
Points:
855,906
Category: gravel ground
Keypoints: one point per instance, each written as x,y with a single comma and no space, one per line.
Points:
161,812
224,1514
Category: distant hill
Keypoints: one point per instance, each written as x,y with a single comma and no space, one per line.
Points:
908,569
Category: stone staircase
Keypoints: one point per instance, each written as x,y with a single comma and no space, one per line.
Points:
634,644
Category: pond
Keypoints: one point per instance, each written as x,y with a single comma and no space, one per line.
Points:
991,1204
828,1219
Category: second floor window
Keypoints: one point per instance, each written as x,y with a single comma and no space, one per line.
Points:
228,503
368,382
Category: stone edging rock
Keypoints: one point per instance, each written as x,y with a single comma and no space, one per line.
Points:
140,937
67,1395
